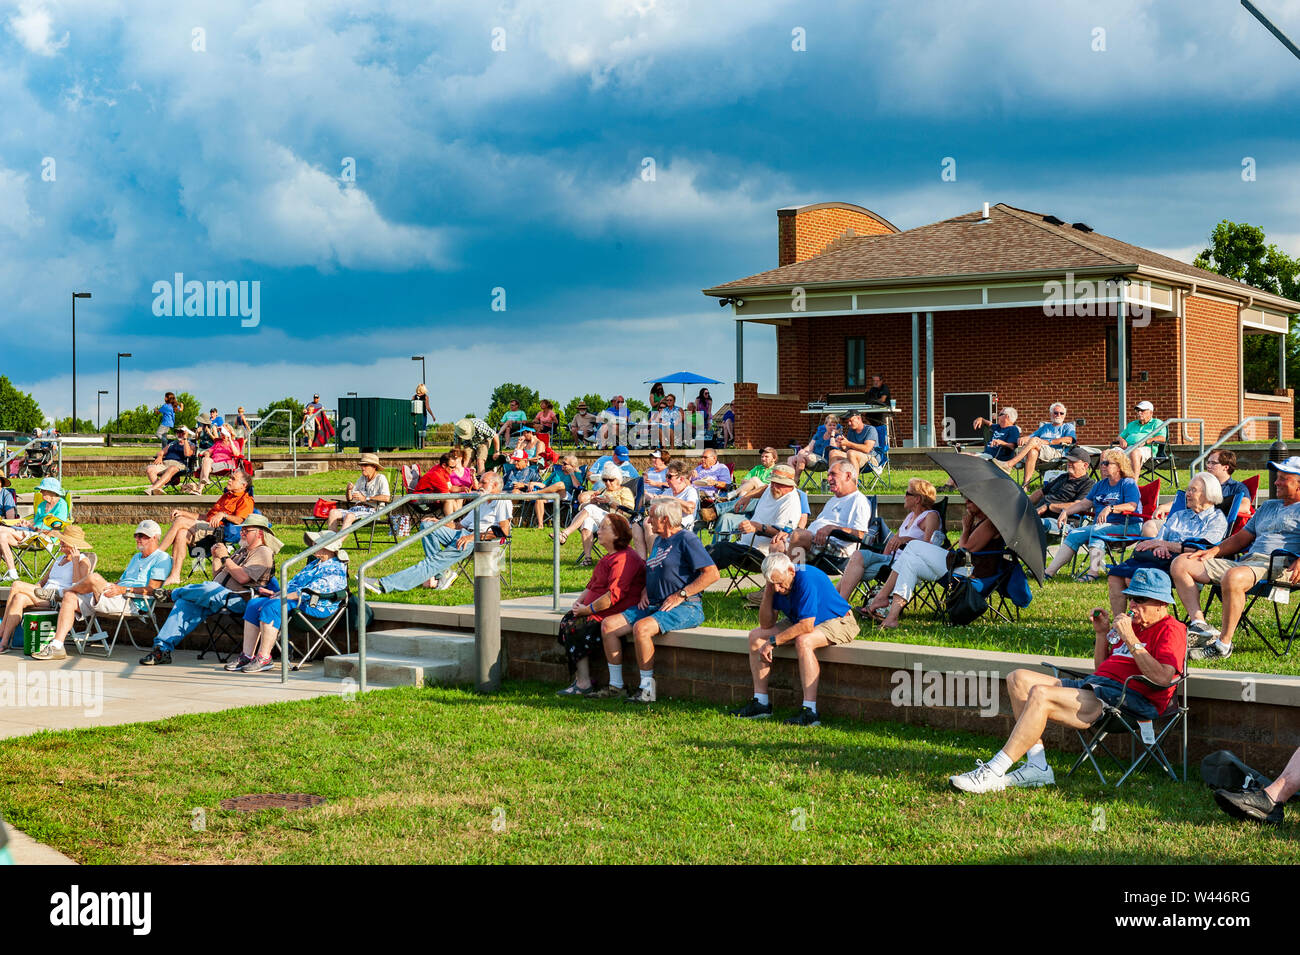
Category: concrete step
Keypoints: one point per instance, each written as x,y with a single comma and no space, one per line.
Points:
285,468
395,669
435,644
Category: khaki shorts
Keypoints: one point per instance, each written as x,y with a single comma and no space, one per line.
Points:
839,631
1216,567
107,606
1049,453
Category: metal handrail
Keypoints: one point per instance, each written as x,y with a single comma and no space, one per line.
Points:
1200,424
557,498
293,435
261,421
1235,429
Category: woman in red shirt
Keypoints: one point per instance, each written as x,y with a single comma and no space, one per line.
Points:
616,585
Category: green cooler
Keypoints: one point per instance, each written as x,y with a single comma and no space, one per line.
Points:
37,629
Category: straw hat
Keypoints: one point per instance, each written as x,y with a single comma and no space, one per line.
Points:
259,521
371,459
74,537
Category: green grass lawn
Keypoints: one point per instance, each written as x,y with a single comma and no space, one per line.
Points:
445,775
1055,623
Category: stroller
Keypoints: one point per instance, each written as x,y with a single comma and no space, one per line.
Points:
38,459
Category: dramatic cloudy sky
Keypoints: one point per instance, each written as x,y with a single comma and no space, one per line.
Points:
521,169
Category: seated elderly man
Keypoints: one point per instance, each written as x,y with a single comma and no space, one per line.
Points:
583,425
93,594
847,515
1200,521
671,424
1147,642
235,577
476,437
815,616
682,494
1048,444
857,443
231,509
1138,435
1263,805
788,512
1004,435
711,476
1065,489
678,571
172,458
751,485
364,497
1275,526
446,546
594,506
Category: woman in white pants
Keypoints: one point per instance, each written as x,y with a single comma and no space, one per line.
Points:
921,560
595,506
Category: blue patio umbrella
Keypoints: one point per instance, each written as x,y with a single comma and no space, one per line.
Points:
683,378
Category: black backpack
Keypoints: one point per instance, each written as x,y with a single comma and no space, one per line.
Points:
1223,770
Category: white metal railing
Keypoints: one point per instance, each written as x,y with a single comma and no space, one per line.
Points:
260,423
293,435
1234,430
1200,426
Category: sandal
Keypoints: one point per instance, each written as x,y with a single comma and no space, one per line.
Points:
584,561
574,690
1087,578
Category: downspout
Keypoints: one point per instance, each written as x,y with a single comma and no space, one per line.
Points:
1241,362
1184,406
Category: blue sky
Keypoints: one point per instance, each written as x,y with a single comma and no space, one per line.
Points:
521,169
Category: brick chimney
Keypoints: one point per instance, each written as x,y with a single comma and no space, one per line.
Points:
805,231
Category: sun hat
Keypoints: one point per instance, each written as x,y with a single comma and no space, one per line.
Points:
371,459
783,474
260,521
1145,406
73,534
54,487
181,429
149,528
611,470
1152,583
1290,466
464,429
1077,453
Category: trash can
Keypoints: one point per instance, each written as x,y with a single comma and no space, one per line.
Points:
37,629
384,424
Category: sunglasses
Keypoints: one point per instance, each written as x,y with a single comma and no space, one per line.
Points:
1058,414
609,480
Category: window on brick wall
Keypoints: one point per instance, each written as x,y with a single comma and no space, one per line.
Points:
855,374
1112,353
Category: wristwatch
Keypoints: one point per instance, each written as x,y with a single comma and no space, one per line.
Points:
772,640
683,594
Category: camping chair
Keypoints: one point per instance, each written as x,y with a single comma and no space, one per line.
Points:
35,552
217,479
1116,721
1161,464
933,594
226,625
833,565
319,631
1149,500
1007,591
1276,592
176,483
136,608
464,565
1238,520
870,478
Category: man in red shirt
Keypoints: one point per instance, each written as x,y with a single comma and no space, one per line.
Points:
1145,642
231,509
436,480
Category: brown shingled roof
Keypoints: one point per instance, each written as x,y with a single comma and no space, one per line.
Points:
1011,241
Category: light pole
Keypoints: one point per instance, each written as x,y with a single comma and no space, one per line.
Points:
120,356
420,359
75,296
102,391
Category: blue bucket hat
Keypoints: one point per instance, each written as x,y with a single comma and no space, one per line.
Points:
53,486
1152,583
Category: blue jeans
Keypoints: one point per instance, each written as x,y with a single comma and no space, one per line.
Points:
872,562
440,554
194,603
1089,535
1108,691
688,613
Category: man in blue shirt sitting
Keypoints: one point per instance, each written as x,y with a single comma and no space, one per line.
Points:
1048,444
1004,436
816,616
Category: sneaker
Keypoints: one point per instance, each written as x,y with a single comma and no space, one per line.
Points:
805,717
447,579
1214,650
155,657
643,694
11,575
981,779
46,593
1030,776
160,594
1199,633
754,710
257,665
373,587
754,598
608,693
574,690
1254,804
48,652
234,665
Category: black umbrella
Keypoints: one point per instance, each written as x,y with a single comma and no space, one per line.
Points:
1004,503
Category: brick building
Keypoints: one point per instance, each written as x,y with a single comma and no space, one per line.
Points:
1002,300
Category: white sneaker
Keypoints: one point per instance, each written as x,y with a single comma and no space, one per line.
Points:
1030,776
373,587
447,579
11,575
981,779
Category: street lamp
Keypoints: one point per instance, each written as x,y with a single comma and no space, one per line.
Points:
420,359
102,391
120,356
75,296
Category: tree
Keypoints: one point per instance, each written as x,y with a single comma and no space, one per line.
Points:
18,410
528,398
595,404
636,404
1240,251
281,425
65,426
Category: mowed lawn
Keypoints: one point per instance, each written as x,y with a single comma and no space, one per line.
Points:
445,775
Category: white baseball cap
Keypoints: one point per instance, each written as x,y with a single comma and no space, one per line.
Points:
148,528
1145,406
1290,466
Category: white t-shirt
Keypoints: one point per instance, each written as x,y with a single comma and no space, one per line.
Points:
852,511
778,513
490,514
376,488
691,496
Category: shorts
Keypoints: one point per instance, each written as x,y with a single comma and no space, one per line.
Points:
1049,453
687,614
361,510
1144,452
1216,567
839,631
107,606
811,458
1108,691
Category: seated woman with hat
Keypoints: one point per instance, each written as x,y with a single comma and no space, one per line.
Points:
363,498
51,512
68,569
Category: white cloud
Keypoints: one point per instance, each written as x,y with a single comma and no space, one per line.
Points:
16,215
33,25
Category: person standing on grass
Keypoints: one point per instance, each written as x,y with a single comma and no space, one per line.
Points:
678,571
1145,642
815,615
1263,805
616,585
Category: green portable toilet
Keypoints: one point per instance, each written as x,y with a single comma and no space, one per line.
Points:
385,424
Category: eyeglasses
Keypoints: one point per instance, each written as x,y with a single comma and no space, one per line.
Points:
609,480
1058,414
909,494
